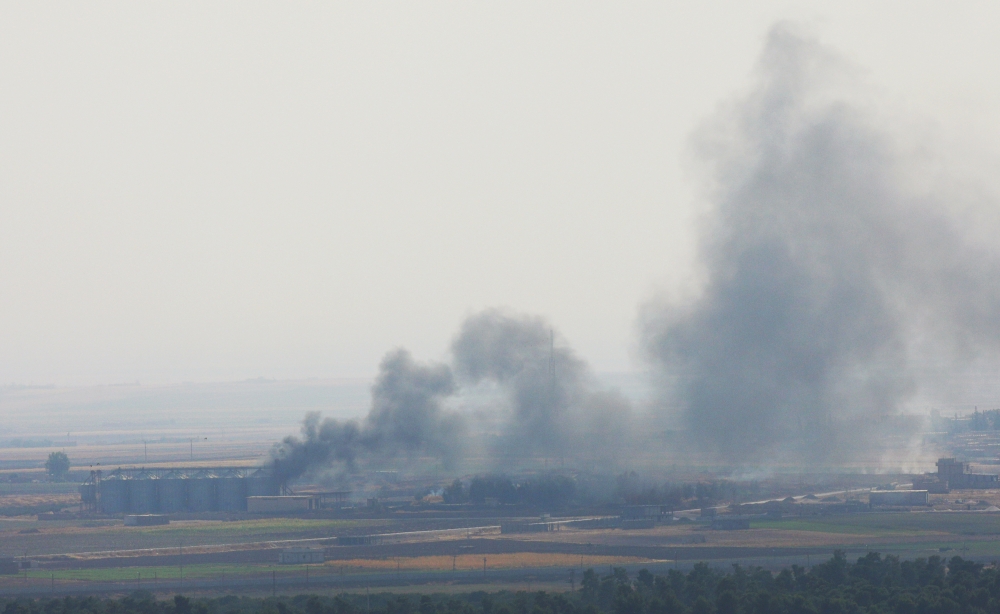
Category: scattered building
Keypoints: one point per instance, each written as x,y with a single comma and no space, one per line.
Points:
656,513
158,491
898,497
327,498
930,483
956,475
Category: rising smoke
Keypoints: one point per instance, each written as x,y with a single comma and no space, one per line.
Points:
556,408
821,272
828,279
550,405
406,419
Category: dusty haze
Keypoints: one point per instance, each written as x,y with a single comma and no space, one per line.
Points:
831,273
204,193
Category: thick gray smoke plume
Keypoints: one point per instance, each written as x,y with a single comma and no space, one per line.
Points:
406,418
556,409
822,270
551,409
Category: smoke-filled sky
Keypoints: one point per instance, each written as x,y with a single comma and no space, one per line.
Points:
198,192
833,273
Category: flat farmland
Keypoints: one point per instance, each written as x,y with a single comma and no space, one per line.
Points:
340,567
894,524
102,536
244,553
474,562
692,536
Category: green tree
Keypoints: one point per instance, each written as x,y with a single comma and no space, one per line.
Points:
58,465
590,584
455,493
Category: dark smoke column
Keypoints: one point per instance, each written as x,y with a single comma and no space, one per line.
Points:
545,383
406,420
797,343
406,417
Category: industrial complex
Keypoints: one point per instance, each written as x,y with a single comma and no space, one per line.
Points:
165,491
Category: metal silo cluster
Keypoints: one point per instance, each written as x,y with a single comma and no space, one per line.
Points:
166,491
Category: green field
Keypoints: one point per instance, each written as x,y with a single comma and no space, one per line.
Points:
115,574
64,538
883,524
908,535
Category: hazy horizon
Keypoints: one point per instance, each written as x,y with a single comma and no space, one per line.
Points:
193,194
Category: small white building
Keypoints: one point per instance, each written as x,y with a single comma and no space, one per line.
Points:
300,556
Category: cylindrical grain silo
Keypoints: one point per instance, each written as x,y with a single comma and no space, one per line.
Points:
142,493
114,494
262,484
201,492
173,492
231,492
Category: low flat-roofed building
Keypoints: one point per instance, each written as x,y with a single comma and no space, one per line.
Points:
643,512
957,475
898,497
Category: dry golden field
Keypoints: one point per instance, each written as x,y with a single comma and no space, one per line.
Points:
692,536
64,499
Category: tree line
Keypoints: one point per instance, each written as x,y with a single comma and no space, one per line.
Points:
554,491
873,584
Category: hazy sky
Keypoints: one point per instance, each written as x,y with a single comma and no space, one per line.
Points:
214,191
